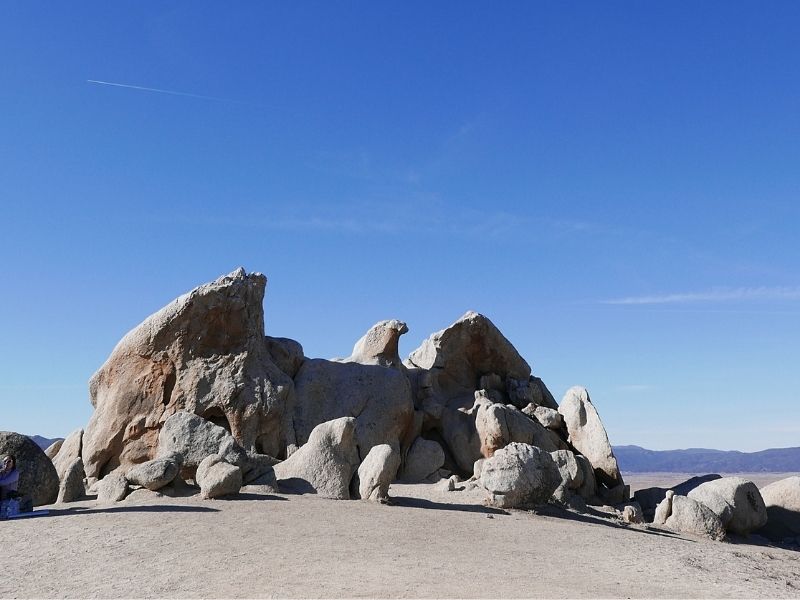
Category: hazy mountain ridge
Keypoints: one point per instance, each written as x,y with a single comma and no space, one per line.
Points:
43,442
703,460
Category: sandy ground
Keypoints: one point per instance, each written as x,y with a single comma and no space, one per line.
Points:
428,543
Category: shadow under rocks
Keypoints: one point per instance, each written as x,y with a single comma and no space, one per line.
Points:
148,508
251,496
597,518
408,502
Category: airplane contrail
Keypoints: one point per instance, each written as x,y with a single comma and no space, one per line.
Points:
160,91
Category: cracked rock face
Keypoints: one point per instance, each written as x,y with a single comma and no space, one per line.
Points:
203,353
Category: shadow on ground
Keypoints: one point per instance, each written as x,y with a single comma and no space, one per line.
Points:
149,508
409,502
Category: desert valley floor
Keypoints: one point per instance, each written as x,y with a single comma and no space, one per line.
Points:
428,543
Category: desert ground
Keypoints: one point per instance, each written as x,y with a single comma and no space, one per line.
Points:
427,543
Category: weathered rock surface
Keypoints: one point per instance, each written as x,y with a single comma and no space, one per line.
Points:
520,475
689,516
154,474
193,438
664,509
53,449
549,417
112,488
287,354
500,424
459,355
218,478
204,353
588,436
377,471
782,499
736,501
379,345
38,478
424,458
378,398
632,513
69,468
569,469
71,486
325,464
648,498
588,488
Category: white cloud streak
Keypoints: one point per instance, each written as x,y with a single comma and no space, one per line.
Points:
741,294
161,91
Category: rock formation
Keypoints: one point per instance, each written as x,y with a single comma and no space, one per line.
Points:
782,500
199,384
204,353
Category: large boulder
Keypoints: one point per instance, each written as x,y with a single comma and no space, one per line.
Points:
218,478
588,436
287,354
38,478
377,471
193,438
379,399
520,475
736,501
155,474
649,498
204,353
53,448
70,469
71,486
112,488
570,471
461,354
689,516
499,424
325,464
379,345
424,458
782,499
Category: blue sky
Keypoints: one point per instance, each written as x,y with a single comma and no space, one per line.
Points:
614,184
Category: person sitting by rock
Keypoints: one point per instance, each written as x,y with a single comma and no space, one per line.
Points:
9,478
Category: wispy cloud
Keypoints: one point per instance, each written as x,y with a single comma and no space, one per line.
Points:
162,91
740,294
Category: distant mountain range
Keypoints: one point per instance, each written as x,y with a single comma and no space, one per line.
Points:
701,460
43,442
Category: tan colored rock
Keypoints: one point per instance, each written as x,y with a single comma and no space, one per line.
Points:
378,398
499,424
736,501
379,345
69,468
377,471
632,513
53,449
664,509
192,439
71,486
287,354
690,516
520,475
588,436
218,478
458,355
154,474
204,353
588,487
424,458
112,488
326,463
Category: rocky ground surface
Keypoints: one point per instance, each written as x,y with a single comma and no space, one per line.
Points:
426,543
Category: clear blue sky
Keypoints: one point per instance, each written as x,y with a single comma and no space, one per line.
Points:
615,185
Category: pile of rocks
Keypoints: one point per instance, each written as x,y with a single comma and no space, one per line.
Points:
198,395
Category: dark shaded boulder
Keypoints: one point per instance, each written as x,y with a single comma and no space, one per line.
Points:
38,478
